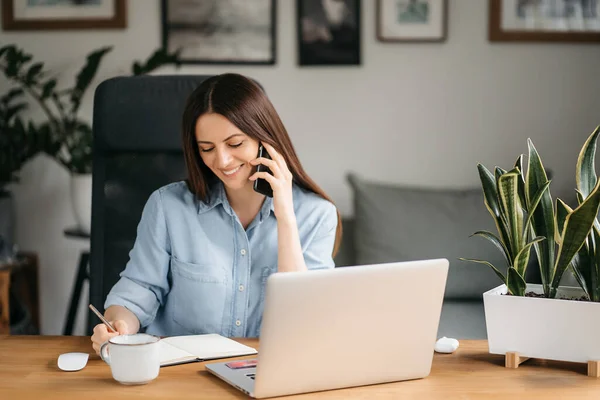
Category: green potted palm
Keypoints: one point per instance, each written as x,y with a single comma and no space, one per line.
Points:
546,320
18,144
68,137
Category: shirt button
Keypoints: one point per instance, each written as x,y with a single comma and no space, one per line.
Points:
241,288
243,252
238,322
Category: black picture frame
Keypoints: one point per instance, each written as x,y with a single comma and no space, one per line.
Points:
171,44
328,44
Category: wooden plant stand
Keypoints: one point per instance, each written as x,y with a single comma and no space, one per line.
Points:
513,360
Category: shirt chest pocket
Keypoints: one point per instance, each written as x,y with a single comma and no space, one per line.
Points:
198,295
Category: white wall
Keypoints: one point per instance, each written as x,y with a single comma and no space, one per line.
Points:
412,113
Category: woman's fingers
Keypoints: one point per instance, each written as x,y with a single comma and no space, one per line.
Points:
272,165
101,333
266,176
121,327
278,158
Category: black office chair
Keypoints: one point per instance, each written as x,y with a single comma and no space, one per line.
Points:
137,149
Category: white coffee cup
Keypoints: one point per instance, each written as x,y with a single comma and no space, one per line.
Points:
133,359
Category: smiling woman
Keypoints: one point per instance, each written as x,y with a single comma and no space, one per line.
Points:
206,245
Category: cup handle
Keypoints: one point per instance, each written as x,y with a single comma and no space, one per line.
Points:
104,352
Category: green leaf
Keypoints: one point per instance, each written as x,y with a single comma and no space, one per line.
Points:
585,175
515,283
581,268
496,242
12,94
543,217
13,111
593,274
509,198
521,260
490,197
522,197
577,227
498,273
534,203
33,73
86,75
4,49
48,88
562,210
159,58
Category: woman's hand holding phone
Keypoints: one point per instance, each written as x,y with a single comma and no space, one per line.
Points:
280,180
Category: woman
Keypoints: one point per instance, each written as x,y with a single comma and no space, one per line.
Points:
205,246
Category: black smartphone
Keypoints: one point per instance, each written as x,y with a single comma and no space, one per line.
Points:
261,185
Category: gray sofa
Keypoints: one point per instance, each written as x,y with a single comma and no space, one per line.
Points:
399,223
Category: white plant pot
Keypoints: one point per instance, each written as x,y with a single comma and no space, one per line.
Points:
81,199
551,329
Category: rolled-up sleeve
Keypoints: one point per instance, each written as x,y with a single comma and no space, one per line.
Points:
143,284
318,253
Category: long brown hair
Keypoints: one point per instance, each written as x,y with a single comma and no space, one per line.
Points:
244,104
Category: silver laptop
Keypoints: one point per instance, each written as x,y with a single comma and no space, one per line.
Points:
343,327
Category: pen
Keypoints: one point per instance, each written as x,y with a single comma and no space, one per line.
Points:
108,324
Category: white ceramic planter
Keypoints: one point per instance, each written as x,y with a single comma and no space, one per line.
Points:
81,199
551,329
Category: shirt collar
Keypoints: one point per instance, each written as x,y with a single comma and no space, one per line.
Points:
217,196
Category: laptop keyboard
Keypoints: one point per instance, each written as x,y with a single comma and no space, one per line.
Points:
251,376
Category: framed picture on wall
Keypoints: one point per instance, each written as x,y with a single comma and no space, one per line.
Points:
328,32
21,15
220,31
544,20
412,20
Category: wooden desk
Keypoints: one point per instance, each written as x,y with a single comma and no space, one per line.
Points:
28,370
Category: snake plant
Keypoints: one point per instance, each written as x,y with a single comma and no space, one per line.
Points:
521,205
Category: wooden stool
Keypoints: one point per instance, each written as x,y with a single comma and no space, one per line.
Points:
20,278
513,360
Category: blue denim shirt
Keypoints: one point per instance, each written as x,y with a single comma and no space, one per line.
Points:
194,269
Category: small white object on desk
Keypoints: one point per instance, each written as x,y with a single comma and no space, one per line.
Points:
446,345
72,361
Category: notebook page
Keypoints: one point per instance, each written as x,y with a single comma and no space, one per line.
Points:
209,346
170,354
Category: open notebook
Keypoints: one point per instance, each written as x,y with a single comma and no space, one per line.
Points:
184,349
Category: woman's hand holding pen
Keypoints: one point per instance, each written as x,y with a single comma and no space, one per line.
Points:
280,181
102,334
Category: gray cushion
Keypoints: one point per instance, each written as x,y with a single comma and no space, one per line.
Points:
395,223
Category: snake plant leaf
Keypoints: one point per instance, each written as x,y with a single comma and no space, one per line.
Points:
535,202
580,196
498,172
490,198
521,260
509,198
580,265
562,210
543,217
594,267
577,227
498,273
585,176
515,283
519,165
497,242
